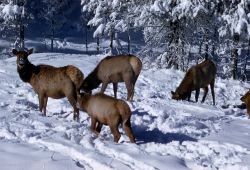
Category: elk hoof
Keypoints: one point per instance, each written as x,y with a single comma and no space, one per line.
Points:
76,117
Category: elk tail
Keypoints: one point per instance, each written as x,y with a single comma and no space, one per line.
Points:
136,65
76,76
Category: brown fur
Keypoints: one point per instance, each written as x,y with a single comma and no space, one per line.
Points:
107,110
199,76
114,69
48,81
246,100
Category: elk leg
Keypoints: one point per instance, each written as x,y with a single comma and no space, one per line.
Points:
115,132
129,90
205,94
132,91
45,100
41,101
127,128
115,86
93,125
72,101
189,95
104,86
212,91
197,92
99,127
133,86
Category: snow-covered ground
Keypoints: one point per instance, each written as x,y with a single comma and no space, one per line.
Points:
170,134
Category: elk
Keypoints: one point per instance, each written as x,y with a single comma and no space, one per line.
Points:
246,100
48,81
199,76
114,69
106,110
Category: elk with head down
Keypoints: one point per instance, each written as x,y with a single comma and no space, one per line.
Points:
48,81
114,69
199,76
106,110
246,100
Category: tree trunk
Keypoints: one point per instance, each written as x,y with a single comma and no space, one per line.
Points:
86,33
206,45
111,41
129,41
86,38
21,34
182,56
188,59
235,55
214,39
98,44
244,72
52,35
235,62
200,48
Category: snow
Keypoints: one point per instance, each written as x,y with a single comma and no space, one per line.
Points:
99,30
242,19
9,11
157,7
25,157
170,134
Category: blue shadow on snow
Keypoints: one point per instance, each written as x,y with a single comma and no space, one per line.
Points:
143,135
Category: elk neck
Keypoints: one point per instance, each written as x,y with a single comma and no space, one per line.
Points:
27,71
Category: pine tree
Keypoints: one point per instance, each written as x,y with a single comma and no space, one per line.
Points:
12,20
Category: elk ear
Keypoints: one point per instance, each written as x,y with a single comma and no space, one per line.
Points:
14,51
30,51
173,93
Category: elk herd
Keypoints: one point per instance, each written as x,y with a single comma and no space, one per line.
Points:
68,81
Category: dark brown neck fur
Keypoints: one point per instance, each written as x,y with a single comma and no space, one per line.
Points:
92,79
186,86
27,71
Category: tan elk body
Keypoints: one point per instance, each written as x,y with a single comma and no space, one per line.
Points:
106,110
114,69
48,81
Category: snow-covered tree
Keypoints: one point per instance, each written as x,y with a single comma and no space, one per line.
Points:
172,26
12,18
110,18
236,17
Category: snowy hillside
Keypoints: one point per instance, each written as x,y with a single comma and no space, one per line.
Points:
170,134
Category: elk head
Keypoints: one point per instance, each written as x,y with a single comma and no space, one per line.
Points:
178,96
22,57
246,97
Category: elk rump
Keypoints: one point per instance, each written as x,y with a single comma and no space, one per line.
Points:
106,110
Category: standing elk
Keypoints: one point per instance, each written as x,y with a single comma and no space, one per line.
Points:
114,69
48,81
106,110
199,76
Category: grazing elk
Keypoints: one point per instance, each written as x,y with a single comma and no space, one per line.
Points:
106,110
114,69
246,100
48,81
199,76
